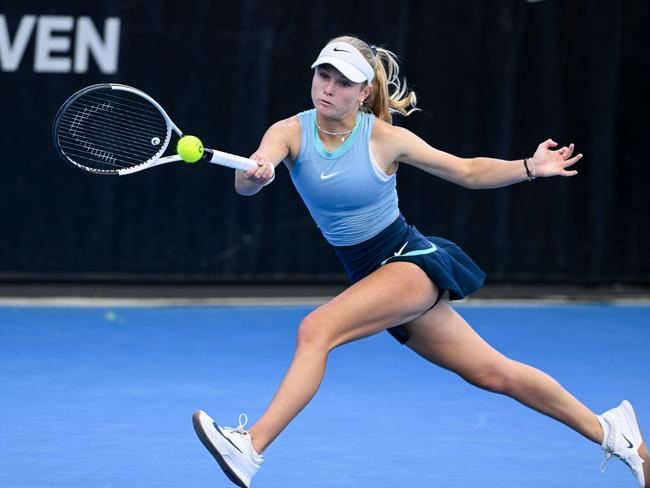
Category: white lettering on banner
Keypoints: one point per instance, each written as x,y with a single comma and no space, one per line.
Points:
10,55
49,43
88,39
53,41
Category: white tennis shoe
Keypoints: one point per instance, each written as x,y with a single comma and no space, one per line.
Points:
623,440
232,448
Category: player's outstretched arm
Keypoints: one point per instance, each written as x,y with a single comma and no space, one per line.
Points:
482,172
273,149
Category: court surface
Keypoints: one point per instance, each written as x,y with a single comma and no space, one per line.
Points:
103,397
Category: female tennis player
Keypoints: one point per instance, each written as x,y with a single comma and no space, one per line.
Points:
343,156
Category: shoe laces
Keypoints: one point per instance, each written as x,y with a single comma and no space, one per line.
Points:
603,465
609,450
240,427
243,420
629,460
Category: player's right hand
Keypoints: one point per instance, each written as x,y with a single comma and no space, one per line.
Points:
263,174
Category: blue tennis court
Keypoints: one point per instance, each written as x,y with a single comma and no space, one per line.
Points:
103,397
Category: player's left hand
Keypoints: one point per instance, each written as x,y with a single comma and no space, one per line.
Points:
554,163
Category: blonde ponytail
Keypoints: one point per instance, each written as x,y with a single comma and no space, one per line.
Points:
389,94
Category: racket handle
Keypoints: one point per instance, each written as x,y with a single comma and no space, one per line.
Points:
230,160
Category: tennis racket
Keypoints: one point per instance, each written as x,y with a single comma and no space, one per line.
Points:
113,129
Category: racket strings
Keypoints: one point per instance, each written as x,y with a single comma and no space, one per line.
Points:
102,122
104,154
121,145
117,138
135,110
103,131
84,114
72,131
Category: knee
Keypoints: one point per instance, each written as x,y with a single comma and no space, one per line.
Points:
499,377
312,333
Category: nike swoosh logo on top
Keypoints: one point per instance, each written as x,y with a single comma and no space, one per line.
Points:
630,446
323,176
341,50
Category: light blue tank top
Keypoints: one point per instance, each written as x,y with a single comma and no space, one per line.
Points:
348,195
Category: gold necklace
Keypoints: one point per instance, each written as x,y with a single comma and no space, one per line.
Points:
343,135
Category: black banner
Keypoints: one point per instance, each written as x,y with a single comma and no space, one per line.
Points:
494,78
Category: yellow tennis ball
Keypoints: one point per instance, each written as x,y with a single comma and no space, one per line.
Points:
190,149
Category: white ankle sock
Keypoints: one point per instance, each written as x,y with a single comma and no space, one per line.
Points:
605,427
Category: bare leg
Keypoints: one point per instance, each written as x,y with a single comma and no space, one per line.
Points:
366,308
443,337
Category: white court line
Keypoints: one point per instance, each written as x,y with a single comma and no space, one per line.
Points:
92,302
536,302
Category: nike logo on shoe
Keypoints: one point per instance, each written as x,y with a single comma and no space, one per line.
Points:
221,433
630,445
323,176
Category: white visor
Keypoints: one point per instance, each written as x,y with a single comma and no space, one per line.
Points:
348,60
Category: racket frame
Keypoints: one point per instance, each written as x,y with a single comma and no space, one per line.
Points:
209,155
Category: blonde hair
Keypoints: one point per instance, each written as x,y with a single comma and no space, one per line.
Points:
389,94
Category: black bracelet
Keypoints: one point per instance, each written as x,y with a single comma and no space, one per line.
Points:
529,175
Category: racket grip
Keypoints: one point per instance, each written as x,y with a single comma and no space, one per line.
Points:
230,160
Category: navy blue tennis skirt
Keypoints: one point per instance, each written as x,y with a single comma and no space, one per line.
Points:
444,262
